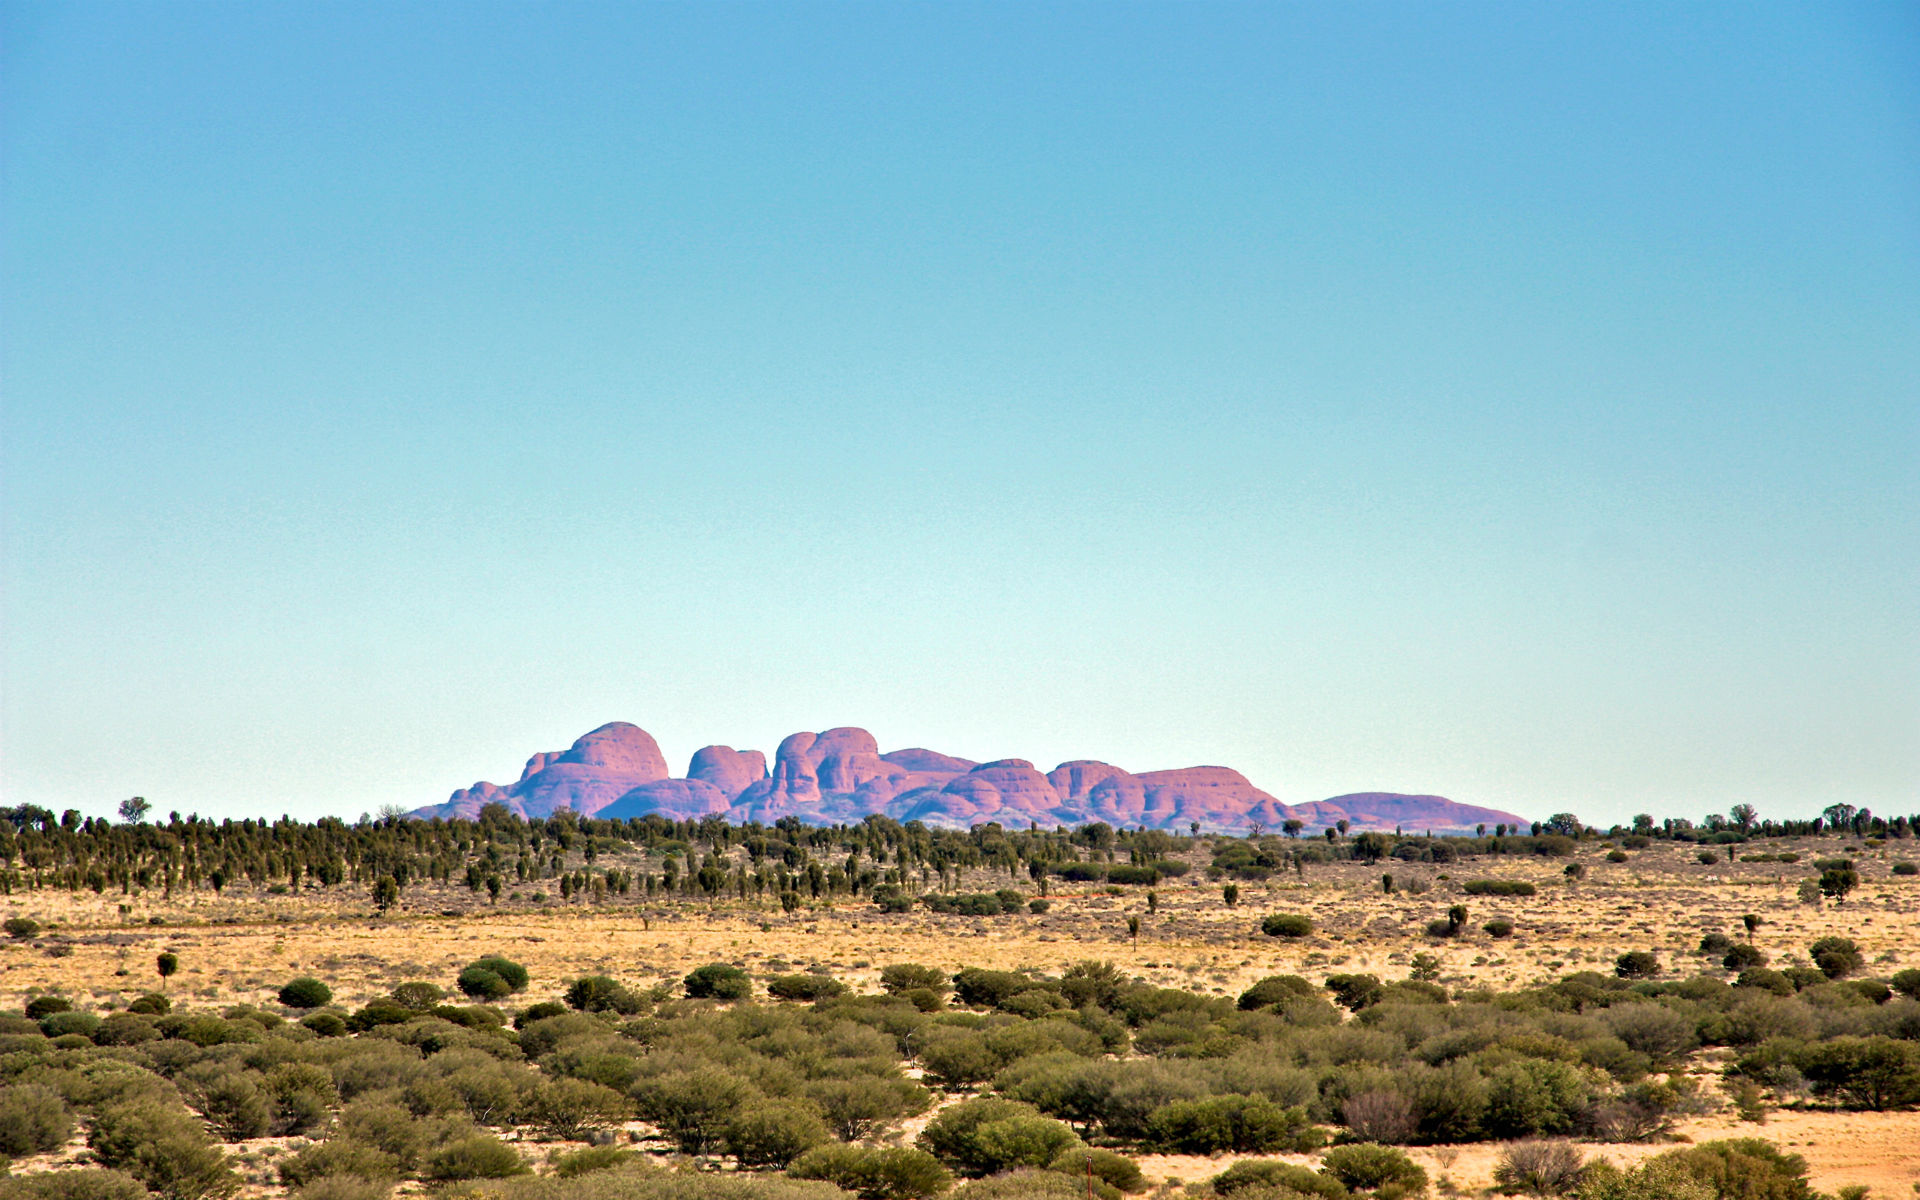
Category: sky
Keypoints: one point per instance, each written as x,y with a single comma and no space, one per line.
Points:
1519,403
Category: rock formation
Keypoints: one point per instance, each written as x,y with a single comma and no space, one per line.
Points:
840,775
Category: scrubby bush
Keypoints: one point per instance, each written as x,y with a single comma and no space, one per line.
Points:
883,1173
1498,927
1263,1178
163,1148
899,978
325,1024
418,995
1498,887
693,1107
61,1023
1905,868
1355,992
1875,1073
575,1163
569,1109
1837,957
1741,1169
1287,925
1366,1166
306,992
153,1004
46,1006
1551,1168
774,1133
718,981
983,1137
33,1120
805,987
1742,955
1243,1124
507,969
1637,964
21,928
74,1183
597,993
483,983
480,1156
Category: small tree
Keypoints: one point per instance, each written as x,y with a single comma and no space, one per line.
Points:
386,893
306,992
166,964
133,811
1231,894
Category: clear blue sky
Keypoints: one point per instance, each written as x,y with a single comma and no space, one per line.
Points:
1516,402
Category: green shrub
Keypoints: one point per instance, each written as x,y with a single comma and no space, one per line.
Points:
1498,927
984,1137
482,983
1272,990
163,1148
774,1133
1905,868
805,987
1287,925
418,995
153,1004
33,1120
1366,1166
1837,957
1355,992
515,974
693,1107
344,1187
593,1158
1637,964
597,993
1241,1124
537,1012
57,1024
1742,1169
1652,1180
718,981
125,1029
1039,906
1616,856
887,1173
46,1006
74,1183
1116,1171
1261,1177
1907,982
1874,1073
899,978
233,1104
569,1109
22,928
1498,887
480,1156
306,992
325,1024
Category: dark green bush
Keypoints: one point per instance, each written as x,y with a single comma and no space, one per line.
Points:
153,1004
1116,1171
1905,868
1637,964
483,983
1741,955
885,1173
325,1024
569,1109
1286,925
46,1006
1837,957
418,995
1907,982
74,1183
1741,1169
515,974
594,1158
22,928
1498,887
693,1107
306,992
899,978
718,981
1366,1166
60,1023
983,1137
1874,1073
805,987
1498,927
1355,992
1241,1124
597,993
1258,1176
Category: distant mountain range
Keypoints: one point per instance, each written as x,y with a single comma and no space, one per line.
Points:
840,776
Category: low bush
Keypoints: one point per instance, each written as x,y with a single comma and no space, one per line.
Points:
74,1183
883,1173
774,1133
597,993
306,992
22,928
985,1137
480,1156
1240,1124
1837,957
899,978
718,981
1367,1166
1266,1178
46,1006
1498,887
805,987
1551,1168
483,983
1905,868
594,1158
1637,964
1287,925
34,1119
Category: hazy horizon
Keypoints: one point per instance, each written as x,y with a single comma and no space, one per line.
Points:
1515,405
